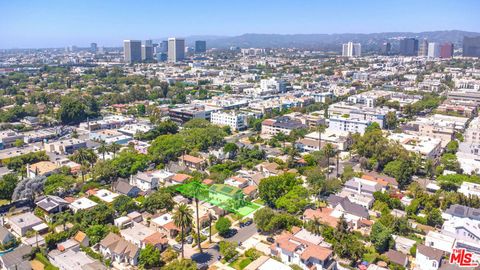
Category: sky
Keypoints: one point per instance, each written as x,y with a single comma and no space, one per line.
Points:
60,23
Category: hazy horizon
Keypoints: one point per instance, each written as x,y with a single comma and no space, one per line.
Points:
56,23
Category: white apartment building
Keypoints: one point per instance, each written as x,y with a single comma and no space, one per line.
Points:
471,143
428,148
236,121
469,189
353,125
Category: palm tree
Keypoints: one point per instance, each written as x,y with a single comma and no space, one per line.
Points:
84,156
328,150
316,229
102,149
210,218
321,128
183,217
114,148
196,192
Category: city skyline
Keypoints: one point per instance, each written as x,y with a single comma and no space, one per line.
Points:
51,23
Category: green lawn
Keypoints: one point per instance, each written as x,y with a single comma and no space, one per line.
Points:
240,263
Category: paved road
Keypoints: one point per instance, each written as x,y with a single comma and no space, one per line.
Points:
243,234
209,256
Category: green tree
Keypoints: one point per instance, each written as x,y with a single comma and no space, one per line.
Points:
228,250
231,149
19,143
294,201
223,225
381,237
97,232
160,199
434,217
452,147
274,187
391,120
124,204
183,217
58,184
149,257
450,162
7,186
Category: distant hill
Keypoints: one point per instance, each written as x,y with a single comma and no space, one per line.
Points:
326,41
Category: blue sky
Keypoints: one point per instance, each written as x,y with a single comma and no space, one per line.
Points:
58,23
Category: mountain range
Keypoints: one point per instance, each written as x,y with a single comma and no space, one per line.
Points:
325,41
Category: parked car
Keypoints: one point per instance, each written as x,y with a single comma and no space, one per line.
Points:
189,239
248,223
271,240
177,247
205,232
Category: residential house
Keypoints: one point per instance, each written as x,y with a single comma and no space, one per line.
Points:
74,259
42,168
18,259
385,181
469,189
5,236
51,205
440,241
82,204
353,213
123,187
119,250
179,178
235,181
82,239
150,180
22,223
397,257
428,258
192,162
403,244
267,263
136,234
165,224
106,195
307,255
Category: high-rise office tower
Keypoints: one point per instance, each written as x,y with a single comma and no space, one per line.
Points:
147,53
200,46
147,50
386,48
409,47
433,50
471,46
446,50
176,49
351,49
93,47
163,46
423,48
132,51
